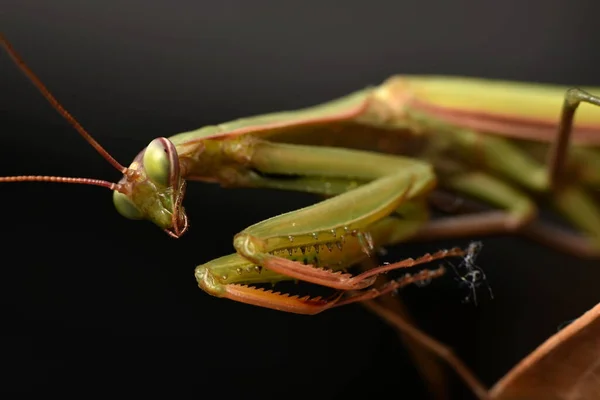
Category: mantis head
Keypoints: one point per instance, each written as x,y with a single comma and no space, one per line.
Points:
152,188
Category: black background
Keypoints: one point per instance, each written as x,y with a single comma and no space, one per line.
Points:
91,301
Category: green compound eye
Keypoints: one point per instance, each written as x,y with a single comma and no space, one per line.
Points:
125,206
161,163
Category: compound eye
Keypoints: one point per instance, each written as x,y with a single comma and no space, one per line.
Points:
161,162
125,206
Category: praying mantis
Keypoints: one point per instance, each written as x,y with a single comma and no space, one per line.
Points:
378,155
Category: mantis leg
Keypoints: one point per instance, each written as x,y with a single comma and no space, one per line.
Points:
346,219
558,238
312,243
571,200
347,281
519,209
575,201
581,209
573,98
209,279
391,286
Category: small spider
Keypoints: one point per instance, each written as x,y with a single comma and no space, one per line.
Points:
473,276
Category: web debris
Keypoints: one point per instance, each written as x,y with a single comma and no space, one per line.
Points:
470,275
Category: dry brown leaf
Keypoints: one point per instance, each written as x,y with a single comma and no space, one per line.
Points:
565,367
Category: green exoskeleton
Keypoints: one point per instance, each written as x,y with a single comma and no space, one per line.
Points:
378,155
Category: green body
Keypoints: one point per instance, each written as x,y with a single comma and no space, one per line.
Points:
377,154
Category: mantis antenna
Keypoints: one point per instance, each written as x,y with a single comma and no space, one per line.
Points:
66,115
